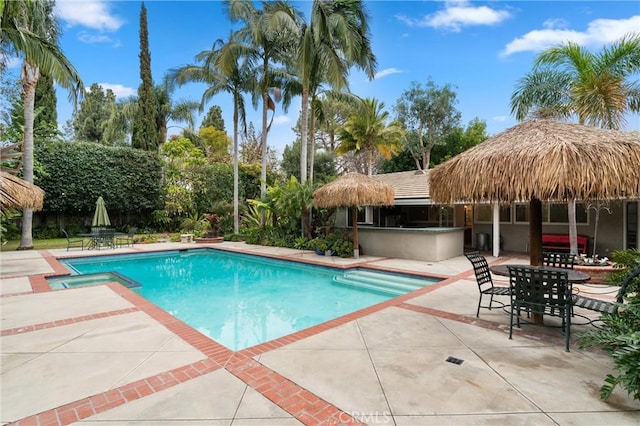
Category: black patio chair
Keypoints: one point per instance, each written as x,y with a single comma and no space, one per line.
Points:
542,291
485,282
604,306
75,242
106,238
558,260
128,239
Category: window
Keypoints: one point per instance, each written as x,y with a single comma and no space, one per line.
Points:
552,213
484,213
365,214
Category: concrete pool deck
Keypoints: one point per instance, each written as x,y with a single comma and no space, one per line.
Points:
103,355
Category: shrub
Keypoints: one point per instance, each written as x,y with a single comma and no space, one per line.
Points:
620,333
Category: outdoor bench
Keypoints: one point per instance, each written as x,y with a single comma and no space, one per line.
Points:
560,242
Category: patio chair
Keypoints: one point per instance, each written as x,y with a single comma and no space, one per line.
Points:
485,282
558,260
128,239
603,306
76,242
106,238
542,291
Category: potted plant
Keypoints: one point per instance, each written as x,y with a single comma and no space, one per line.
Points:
319,245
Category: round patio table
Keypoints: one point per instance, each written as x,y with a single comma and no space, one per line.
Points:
573,276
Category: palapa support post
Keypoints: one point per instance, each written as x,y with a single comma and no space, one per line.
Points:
535,243
356,250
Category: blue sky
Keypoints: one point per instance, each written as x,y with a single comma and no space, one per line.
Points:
481,48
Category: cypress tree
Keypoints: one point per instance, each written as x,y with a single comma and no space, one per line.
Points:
46,100
145,133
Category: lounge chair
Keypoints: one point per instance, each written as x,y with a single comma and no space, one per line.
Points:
603,306
485,282
128,239
542,291
76,242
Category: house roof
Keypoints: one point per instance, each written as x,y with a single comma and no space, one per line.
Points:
408,185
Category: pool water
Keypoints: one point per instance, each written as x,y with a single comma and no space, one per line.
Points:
239,300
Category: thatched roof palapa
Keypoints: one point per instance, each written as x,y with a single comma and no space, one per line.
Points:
354,189
18,193
544,160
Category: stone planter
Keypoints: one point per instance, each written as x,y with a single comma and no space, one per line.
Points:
209,240
598,274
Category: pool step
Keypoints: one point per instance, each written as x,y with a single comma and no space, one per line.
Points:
385,283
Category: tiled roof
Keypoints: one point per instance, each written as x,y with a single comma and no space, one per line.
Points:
412,184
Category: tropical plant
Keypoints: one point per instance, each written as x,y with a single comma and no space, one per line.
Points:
29,29
336,38
569,81
619,335
264,40
234,78
366,131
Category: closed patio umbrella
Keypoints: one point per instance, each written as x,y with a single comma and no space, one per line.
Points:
542,160
353,190
101,217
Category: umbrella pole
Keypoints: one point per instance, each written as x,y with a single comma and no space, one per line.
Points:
356,250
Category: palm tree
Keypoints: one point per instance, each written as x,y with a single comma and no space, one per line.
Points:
567,80
234,80
168,110
265,40
366,131
336,38
30,30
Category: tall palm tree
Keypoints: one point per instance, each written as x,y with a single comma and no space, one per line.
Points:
366,131
336,38
30,30
235,80
567,80
264,41
167,109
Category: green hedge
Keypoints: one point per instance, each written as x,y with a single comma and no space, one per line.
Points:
74,175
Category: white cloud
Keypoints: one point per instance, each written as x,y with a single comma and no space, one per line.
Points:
458,14
599,32
118,89
92,14
500,118
281,119
89,38
387,72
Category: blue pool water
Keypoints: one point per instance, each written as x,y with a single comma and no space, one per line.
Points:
240,300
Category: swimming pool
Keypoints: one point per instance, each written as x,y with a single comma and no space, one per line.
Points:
243,300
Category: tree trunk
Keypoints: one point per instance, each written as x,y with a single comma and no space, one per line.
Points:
573,229
312,145
304,128
236,221
30,74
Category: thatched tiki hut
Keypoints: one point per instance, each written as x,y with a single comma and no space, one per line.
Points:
542,160
19,194
353,190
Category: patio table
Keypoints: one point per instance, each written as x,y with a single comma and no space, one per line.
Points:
573,277
94,239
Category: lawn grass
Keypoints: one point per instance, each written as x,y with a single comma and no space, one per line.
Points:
52,243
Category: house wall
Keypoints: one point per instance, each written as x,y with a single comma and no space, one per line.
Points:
610,234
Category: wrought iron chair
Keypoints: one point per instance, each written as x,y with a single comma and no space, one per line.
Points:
541,291
485,282
128,239
558,260
77,242
106,238
604,306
